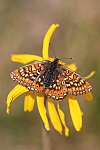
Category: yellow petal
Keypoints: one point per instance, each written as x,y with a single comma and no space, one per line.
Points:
62,117
89,96
72,67
90,75
42,110
17,90
25,58
29,101
75,112
54,116
47,40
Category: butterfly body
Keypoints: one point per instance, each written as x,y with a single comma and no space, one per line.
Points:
50,73
53,78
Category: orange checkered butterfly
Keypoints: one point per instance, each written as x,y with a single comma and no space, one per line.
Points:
53,78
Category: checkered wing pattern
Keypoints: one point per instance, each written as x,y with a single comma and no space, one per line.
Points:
75,84
55,79
66,81
31,76
57,89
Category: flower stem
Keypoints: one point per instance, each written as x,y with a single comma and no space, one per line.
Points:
46,143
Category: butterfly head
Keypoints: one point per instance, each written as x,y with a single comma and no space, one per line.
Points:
56,60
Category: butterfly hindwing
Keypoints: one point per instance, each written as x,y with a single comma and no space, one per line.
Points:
57,90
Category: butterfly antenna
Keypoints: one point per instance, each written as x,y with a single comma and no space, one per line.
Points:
67,58
52,49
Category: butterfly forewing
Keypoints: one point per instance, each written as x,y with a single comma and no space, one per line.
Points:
31,75
76,85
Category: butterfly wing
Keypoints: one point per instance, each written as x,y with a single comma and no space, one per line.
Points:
57,89
31,76
75,84
65,82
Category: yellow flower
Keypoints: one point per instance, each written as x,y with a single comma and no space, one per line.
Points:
57,117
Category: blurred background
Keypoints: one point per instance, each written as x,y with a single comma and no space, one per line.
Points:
23,25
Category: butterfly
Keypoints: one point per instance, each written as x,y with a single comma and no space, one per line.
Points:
53,78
